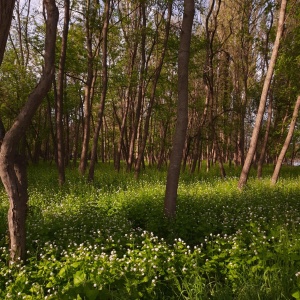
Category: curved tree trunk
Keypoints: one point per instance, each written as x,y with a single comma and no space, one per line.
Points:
12,166
286,143
263,99
182,110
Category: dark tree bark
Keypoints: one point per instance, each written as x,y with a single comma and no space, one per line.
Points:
2,132
286,143
103,93
6,13
182,110
12,166
248,161
59,98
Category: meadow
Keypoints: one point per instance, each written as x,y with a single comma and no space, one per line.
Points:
110,239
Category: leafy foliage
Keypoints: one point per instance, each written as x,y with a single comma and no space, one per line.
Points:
110,240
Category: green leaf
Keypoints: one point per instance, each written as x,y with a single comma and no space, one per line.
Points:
75,265
79,278
294,256
62,272
91,293
49,285
296,295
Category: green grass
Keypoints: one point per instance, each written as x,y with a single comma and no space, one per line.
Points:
110,240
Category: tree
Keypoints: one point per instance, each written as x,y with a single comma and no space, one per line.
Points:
12,165
89,84
263,99
269,120
182,110
6,13
155,79
286,143
103,93
131,52
59,96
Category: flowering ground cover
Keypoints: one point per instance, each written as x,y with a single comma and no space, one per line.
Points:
110,240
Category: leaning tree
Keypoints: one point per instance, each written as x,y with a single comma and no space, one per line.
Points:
12,165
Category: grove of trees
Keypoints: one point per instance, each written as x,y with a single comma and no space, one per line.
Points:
123,81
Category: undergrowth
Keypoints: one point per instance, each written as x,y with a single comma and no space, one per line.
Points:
110,239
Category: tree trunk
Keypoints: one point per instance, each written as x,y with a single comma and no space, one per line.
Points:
90,81
103,93
12,166
265,141
266,137
163,136
59,99
141,90
140,157
182,110
286,143
248,161
6,13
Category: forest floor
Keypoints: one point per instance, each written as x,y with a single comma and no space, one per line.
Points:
110,239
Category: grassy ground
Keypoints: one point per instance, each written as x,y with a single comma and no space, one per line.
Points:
110,240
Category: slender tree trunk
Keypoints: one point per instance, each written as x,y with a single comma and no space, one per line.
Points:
286,143
196,152
6,13
2,132
186,152
87,94
248,161
12,167
127,105
208,156
76,139
164,131
122,129
141,90
59,100
140,157
52,133
103,93
265,141
67,155
219,156
182,110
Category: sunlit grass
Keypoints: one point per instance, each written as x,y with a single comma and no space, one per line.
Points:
110,239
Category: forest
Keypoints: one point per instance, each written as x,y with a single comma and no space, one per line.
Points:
149,149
